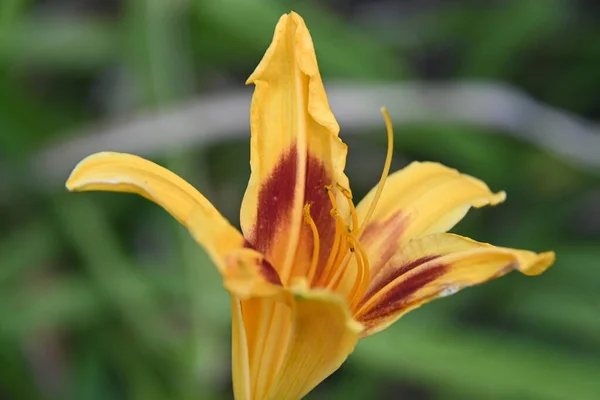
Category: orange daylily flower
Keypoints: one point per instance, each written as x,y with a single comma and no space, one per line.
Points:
311,274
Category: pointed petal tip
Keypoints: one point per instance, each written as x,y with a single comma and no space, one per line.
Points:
290,25
293,15
487,197
498,198
69,184
539,264
76,180
280,31
73,182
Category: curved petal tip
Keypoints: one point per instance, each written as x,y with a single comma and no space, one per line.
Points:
76,180
539,264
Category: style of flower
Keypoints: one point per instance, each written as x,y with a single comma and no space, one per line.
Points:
311,273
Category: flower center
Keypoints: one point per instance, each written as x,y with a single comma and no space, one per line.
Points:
346,244
346,236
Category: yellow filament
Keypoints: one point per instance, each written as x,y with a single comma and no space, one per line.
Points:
344,259
337,244
329,191
386,169
316,242
363,275
342,251
348,195
335,249
362,271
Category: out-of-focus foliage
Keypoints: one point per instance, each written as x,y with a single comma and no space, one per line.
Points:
103,296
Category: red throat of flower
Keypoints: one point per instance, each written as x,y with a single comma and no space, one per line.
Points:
346,245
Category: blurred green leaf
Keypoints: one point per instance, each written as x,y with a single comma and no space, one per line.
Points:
506,31
246,28
134,306
470,362
31,247
60,43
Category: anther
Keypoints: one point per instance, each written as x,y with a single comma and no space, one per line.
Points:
348,195
345,192
307,217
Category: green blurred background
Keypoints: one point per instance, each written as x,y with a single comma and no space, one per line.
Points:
104,296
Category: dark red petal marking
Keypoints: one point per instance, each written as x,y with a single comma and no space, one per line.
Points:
275,205
317,177
383,235
269,273
374,322
275,202
266,269
399,297
390,273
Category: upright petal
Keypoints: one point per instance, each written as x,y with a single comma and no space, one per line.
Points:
435,266
323,335
118,172
421,199
295,151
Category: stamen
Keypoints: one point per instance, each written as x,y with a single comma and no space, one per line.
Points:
336,249
340,270
344,191
362,272
348,195
337,242
386,170
316,242
342,251
329,191
363,275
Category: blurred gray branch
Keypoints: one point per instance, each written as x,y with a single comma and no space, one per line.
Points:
218,117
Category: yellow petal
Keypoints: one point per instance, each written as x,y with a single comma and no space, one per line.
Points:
436,266
267,321
421,199
240,359
117,172
261,332
261,312
286,341
323,334
295,152
249,274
